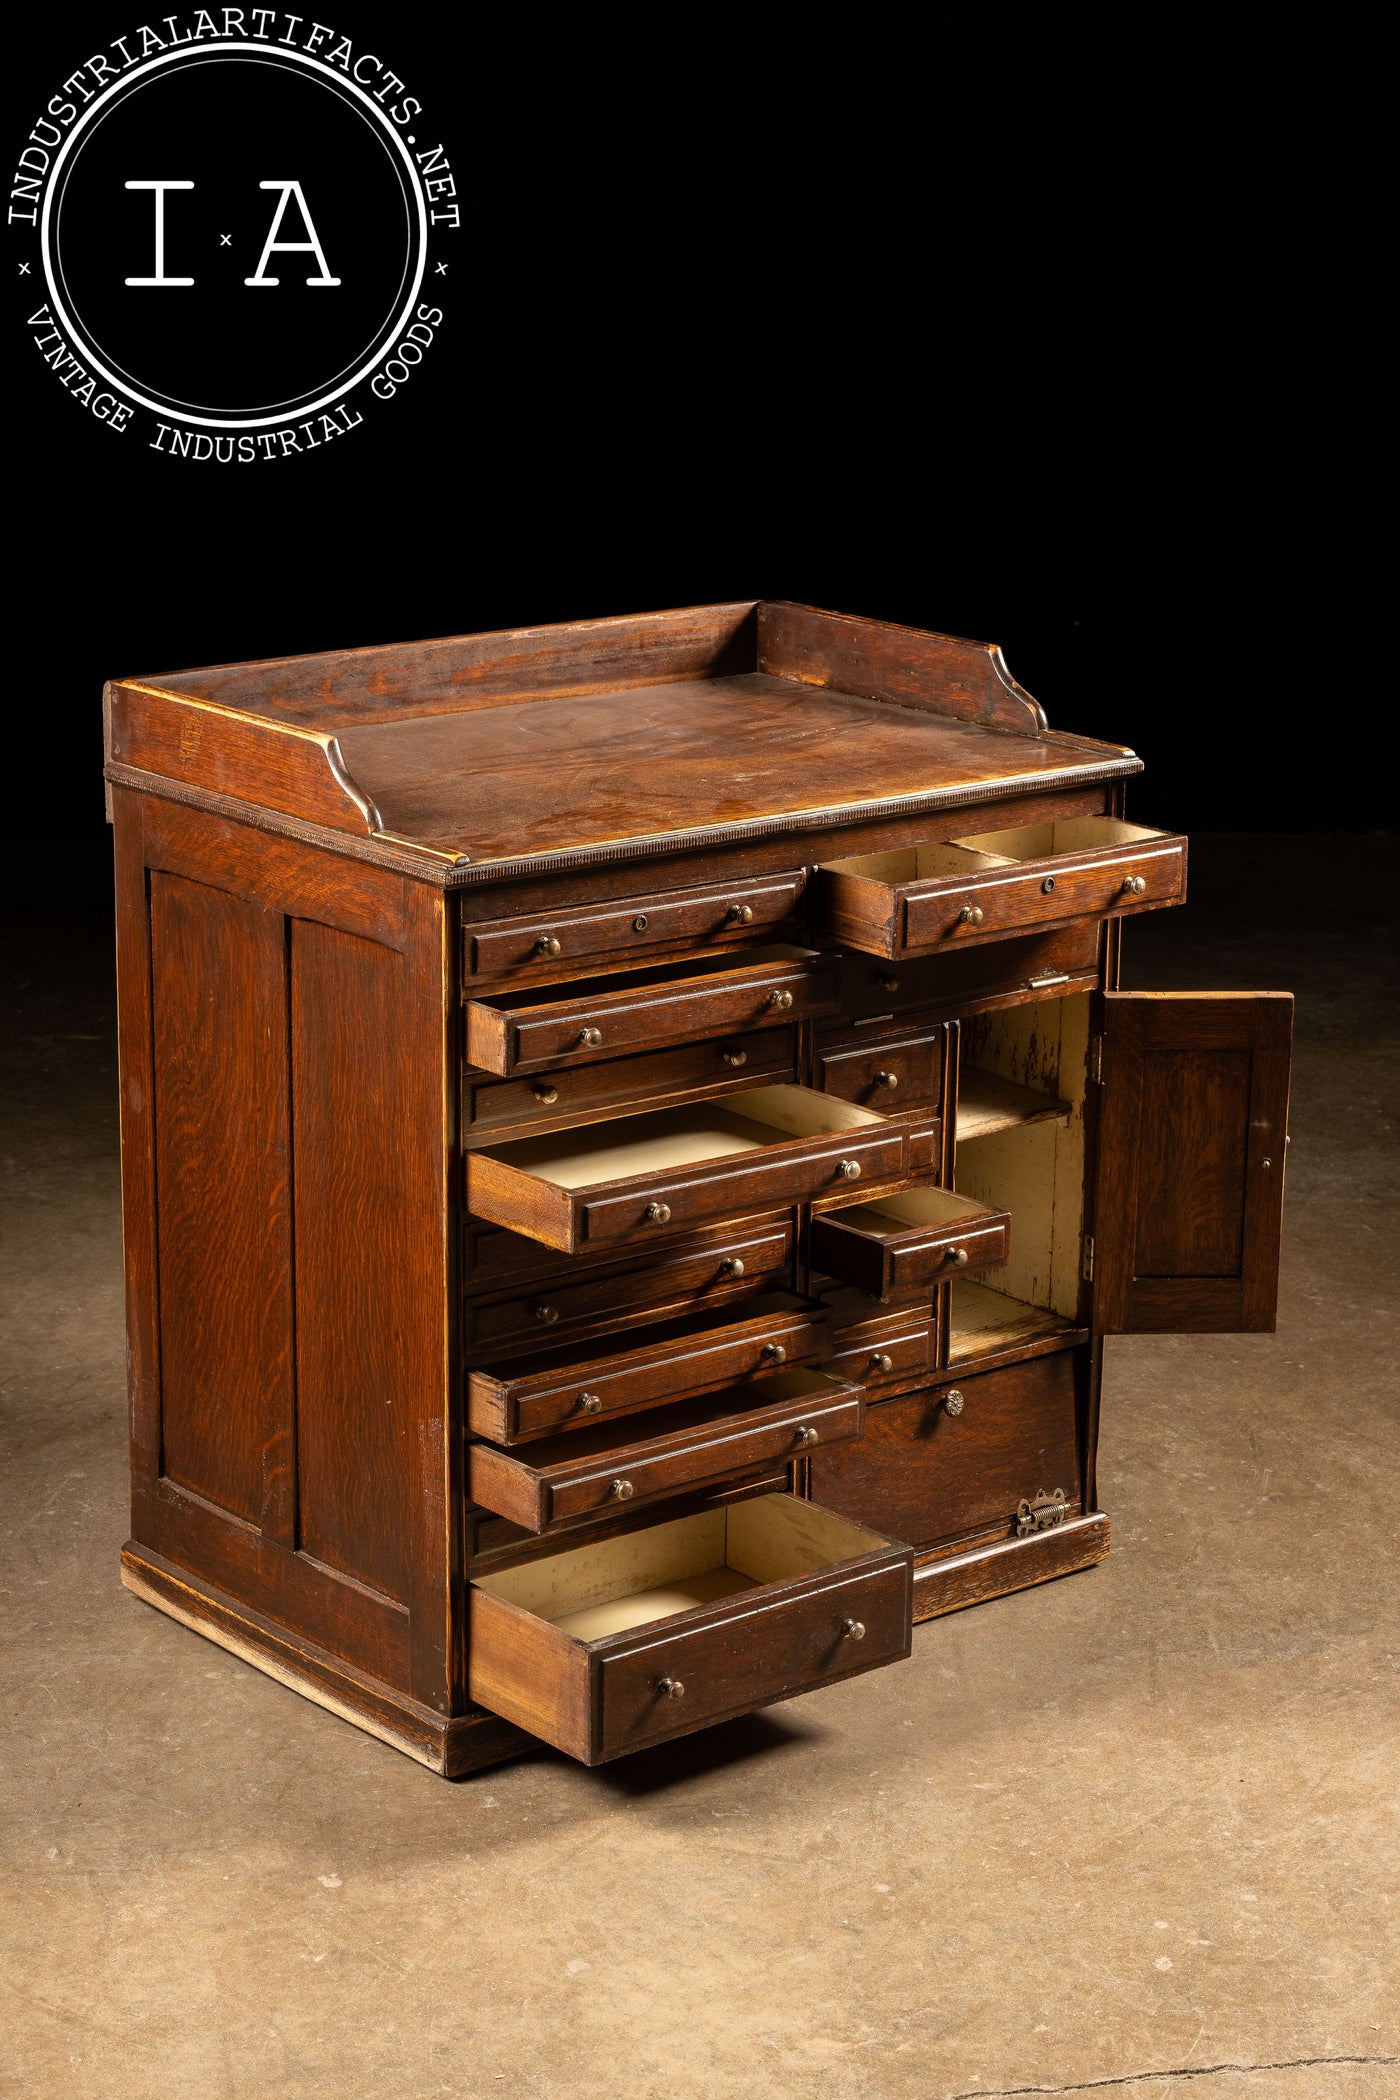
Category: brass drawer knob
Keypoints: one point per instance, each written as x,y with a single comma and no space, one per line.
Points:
881,1362
1134,885
639,924
741,914
953,1403
971,915
888,1080
732,1265
671,1688
782,1000
889,984
590,1404
849,1169
853,1630
589,1038
622,1490
956,1257
735,1057
548,1313
805,1434
658,1213
772,1353
545,1094
546,945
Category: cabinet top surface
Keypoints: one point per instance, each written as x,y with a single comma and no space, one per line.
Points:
710,725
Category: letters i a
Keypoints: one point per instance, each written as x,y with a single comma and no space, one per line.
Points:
272,246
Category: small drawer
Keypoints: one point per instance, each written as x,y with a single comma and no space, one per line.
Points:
574,1388
641,1176
687,1445
675,1002
907,1243
965,1455
590,1093
981,888
566,1299
742,911
632,1640
881,1353
886,1075
1034,966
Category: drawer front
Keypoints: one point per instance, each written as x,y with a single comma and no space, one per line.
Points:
511,1407
1040,893
790,1176
599,1023
889,1265
877,1358
566,1299
769,1647
583,1093
892,1076
929,1475
745,910
1046,964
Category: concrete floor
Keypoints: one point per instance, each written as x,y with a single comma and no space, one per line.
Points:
1134,1830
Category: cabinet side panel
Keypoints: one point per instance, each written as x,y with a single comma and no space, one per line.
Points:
219,1036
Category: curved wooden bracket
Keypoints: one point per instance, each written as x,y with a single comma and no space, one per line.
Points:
940,672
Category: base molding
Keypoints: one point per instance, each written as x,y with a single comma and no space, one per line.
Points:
450,1745
994,1570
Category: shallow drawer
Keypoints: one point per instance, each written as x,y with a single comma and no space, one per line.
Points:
1041,965
981,887
575,1387
909,1242
584,1093
631,1640
675,1002
643,1175
744,910
968,1454
880,1353
610,1295
904,1074
689,1444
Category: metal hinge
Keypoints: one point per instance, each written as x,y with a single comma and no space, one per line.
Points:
1096,1059
1088,1267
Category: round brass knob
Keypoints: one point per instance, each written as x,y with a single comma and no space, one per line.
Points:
589,1038
590,1404
741,914
546,945
953,1403
888,1080
805,1434
622,1490
735,1057
881,1362
889,984
639,924
548,1313
971,915
957,1257
772,1353
732,1265
546,1094
782,1000
1048,884
849,1169
853,1629
1134,885
670,1688
658,1213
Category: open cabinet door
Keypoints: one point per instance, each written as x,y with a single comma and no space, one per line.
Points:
1193,1115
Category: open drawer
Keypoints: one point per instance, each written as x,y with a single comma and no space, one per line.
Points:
633,1180
908,1242
575,1387
671,1003
690,1444
631,1640
988,885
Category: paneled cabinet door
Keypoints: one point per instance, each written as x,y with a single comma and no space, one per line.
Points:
1193,1122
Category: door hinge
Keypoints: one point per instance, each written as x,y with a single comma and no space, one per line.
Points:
1096,1059
1088,1266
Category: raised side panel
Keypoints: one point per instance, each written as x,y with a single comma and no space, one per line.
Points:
919,669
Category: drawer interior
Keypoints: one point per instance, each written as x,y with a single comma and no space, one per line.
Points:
1069,835
926,863
660,1570
917,1210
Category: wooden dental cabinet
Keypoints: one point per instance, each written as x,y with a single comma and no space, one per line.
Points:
631,1143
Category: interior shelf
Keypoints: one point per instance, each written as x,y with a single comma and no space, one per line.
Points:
983,1322
987,1103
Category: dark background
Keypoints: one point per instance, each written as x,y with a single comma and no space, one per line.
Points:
1064,333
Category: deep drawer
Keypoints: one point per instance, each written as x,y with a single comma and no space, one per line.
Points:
572,1388
907,1243
746,910
982,887
587,1093
670,1627
687,1445
676,1002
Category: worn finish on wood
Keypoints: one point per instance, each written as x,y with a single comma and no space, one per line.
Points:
937,671
994,1570
567,1095
558,942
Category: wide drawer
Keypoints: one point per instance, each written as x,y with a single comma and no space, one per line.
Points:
908,1242
743,910
631,1180
572,1388
675,1002
957,980
903,1074
982,887
687,1445
672,1626
589,1093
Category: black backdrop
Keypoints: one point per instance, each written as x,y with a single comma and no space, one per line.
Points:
1063,333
